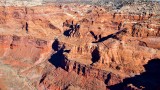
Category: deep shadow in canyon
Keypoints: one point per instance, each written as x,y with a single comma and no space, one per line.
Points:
95,55
68,32
149,80
113,36
55,45
58,58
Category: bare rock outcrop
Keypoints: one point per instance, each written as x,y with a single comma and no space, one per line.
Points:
75,46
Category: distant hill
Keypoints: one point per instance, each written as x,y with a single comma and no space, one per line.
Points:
113,3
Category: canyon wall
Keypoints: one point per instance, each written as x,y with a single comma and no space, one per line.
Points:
72,46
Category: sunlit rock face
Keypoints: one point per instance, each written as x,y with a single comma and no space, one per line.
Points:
77,47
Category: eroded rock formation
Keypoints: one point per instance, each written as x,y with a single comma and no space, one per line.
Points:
77,47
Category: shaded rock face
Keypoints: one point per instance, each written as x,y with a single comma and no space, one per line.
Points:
147,80
72,29
77,47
